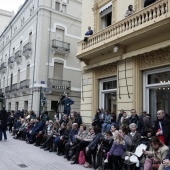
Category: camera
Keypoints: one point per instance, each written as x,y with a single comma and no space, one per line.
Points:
62,96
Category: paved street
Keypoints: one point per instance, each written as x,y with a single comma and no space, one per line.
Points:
15,152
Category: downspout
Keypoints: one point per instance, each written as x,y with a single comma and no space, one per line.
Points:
118,81
49,49
34,56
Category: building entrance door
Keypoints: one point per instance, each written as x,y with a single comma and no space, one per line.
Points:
108,94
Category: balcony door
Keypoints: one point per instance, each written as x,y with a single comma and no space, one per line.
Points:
58,71
59,37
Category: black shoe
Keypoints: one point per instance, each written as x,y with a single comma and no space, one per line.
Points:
42,147
46,149
73,163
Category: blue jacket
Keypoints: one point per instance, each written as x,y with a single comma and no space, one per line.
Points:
71,135
38,127
67,102
89,32
117,149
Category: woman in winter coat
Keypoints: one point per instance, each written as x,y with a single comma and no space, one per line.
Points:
156,155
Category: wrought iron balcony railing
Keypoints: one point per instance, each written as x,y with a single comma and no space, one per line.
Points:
59,84
27,49
18,56
24,84
60,47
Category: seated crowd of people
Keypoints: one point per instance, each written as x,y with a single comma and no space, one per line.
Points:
109,142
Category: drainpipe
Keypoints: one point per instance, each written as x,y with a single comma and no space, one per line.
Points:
49,49
82,96
34,57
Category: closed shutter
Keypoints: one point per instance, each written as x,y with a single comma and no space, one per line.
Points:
58,71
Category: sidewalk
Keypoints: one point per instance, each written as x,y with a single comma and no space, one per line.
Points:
16,153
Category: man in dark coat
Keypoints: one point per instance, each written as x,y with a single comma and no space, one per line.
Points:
134,118
3,123
161,127
67,102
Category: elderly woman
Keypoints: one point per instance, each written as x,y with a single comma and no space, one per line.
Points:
156,155
134,136
83,144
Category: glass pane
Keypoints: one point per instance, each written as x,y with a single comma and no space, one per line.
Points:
163,77
110,102
110,85
159,100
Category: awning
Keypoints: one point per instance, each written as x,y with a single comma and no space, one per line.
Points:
105,7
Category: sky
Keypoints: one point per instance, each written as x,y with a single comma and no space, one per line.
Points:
11,5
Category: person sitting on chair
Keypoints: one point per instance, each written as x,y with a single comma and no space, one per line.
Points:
88,33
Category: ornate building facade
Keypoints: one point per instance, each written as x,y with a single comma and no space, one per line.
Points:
38,55
126,62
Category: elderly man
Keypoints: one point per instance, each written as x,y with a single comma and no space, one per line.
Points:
161,128
134,118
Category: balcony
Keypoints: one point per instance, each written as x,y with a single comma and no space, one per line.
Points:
24,84
11,62
59,85
60,47
7,89
15,87
3,67
18,57
130,34
27,50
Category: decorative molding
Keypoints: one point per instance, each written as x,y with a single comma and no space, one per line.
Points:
106,70
155,58
114,10
136,5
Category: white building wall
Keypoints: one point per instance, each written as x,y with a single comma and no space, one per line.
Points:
42,57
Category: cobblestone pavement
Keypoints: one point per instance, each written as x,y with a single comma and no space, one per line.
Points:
15,152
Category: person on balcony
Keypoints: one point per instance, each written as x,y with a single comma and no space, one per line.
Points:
149,2
67,102
88,33
130,11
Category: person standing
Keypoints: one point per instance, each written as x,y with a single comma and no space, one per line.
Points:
3,123
161,128
67,102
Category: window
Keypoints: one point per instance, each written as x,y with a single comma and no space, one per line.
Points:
11,82
18,77
13,51
16,106
25,105
64,8
21,45
156,91
9,106
106,15
58,71
57,6
30,37
28,72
